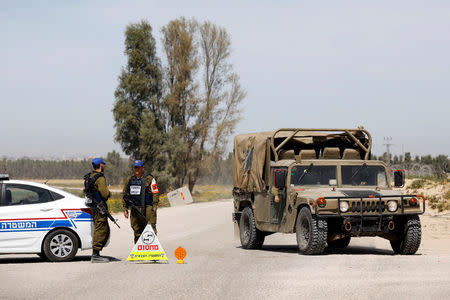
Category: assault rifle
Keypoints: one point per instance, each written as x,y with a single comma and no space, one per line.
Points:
129,202
103,209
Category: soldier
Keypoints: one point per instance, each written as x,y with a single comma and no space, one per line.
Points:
275,194
142,191
97,191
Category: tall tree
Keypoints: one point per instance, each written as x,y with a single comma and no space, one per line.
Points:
408,157
396,160
116,168
181,101
137,109
203,96
220,99
180,119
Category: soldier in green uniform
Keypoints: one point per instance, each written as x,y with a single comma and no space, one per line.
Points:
97,191
142,191
275,194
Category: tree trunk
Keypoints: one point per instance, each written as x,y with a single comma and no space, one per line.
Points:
192,182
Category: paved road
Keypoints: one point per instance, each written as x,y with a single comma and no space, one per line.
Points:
216,267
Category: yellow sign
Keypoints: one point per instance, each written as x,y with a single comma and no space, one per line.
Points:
148,248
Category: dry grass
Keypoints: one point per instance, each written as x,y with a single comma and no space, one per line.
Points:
201,193
417,184
204,193
71,184
436,192
441,204
115,202
63,183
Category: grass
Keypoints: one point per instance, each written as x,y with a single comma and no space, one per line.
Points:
417,184
63,183
115,202
69,184
435,179
205,193
201,193
440,201
447,195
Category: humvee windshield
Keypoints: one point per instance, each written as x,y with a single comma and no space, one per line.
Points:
313,175
364,175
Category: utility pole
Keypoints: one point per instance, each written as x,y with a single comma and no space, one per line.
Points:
388,144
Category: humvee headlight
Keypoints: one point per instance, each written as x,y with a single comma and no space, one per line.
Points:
392,206
343,206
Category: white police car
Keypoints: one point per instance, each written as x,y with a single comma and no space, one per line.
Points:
36,218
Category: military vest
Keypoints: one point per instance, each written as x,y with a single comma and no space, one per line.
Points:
93,196
136,187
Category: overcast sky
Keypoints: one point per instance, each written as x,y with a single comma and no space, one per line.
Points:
381,64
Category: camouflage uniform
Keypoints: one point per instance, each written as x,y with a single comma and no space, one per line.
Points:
101,226
138,223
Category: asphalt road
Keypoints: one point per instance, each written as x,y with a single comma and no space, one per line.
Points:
217,268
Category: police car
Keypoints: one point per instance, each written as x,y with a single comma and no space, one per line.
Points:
36,218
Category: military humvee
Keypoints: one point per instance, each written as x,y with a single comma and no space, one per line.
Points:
322,185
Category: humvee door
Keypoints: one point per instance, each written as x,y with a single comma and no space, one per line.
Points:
278,183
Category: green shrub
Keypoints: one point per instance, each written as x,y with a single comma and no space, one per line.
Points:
438,203
447,195
443,205
417,184
115,202
433,199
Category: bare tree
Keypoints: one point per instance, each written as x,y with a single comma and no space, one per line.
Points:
220,99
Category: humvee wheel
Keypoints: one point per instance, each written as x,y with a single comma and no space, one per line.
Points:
251,237
339,244
311,233
409,237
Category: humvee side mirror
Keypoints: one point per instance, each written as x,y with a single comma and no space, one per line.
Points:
399,178
280,179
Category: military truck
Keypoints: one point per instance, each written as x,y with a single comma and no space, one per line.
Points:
322,185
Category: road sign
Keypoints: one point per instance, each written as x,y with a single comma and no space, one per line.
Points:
148,248
180,197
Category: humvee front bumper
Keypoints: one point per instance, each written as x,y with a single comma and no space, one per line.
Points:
368,216
369,207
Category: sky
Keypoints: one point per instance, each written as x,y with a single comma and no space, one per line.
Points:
384,65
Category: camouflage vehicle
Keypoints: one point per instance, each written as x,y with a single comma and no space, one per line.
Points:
322,185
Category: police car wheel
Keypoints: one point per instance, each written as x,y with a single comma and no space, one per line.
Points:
42,255
60,245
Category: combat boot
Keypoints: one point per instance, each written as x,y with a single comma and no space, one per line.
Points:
96,258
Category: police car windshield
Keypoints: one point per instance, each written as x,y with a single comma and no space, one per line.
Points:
364,175
313,175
